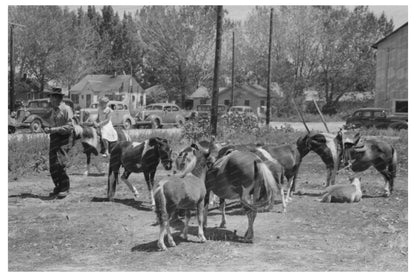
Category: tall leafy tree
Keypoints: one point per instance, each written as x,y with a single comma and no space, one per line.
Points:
179,44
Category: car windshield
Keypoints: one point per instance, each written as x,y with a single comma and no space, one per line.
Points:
154,107
236,109
32,105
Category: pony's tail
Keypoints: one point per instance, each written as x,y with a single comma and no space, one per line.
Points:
160,199
393,164
267,184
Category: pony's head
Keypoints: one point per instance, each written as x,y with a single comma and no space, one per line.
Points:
193,158
164,150
304,144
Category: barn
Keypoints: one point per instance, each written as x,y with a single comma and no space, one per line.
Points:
391,71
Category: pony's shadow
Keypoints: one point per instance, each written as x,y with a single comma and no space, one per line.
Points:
138,205
215,234
31,195
89,175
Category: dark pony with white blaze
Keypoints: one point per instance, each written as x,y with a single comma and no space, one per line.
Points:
359,154
90,141
328,147
138,157
244,176
185,190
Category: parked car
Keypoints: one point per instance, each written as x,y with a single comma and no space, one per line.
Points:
246,110
204,110
158,115
375,117
36,114
119,117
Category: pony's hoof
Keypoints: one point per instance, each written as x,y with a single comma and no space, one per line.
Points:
162,247
202,239
386,194
171,243
248,240
223,225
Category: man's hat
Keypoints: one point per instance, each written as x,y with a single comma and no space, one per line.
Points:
56,91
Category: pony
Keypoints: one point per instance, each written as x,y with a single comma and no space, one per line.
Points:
276,169
289,157
185,190
244,176
90,141
328,147
138,157
341,193
359,154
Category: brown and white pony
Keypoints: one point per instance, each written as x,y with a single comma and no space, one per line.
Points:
185,190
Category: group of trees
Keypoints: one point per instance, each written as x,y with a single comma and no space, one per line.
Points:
322,47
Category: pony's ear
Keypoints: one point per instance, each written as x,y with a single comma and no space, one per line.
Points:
351,178
152,141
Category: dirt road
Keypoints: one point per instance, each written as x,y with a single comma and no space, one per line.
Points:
84,232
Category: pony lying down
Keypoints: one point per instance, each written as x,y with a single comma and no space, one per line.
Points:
185,190
344,193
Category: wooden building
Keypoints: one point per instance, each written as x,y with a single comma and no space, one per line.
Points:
392,71
115,87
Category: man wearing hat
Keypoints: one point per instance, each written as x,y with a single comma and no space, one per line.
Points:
60,131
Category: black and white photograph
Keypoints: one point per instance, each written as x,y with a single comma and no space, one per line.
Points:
206,137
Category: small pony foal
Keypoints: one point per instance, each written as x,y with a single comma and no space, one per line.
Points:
183,191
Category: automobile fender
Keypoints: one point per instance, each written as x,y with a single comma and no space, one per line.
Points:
129,117
32,117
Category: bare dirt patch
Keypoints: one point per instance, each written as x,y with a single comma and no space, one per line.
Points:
84,232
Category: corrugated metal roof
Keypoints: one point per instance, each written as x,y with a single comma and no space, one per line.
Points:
201,92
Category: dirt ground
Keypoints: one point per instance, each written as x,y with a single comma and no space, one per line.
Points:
84,232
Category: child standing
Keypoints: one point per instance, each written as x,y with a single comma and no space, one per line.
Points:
104,124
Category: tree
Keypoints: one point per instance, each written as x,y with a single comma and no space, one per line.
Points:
179,45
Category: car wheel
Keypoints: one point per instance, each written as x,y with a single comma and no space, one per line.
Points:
36,126
12,130
155,123
127,124
179,124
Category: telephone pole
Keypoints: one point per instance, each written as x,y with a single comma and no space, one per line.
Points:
214,103
232,74
269,69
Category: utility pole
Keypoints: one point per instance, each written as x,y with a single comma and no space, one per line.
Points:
11,61
232,74
269,69
214,103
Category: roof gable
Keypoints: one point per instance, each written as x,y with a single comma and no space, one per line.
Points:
106,83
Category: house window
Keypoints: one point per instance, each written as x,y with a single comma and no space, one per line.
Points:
203,101
400,106
75,98
262,103
246,102
82,97
227,102
88,100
